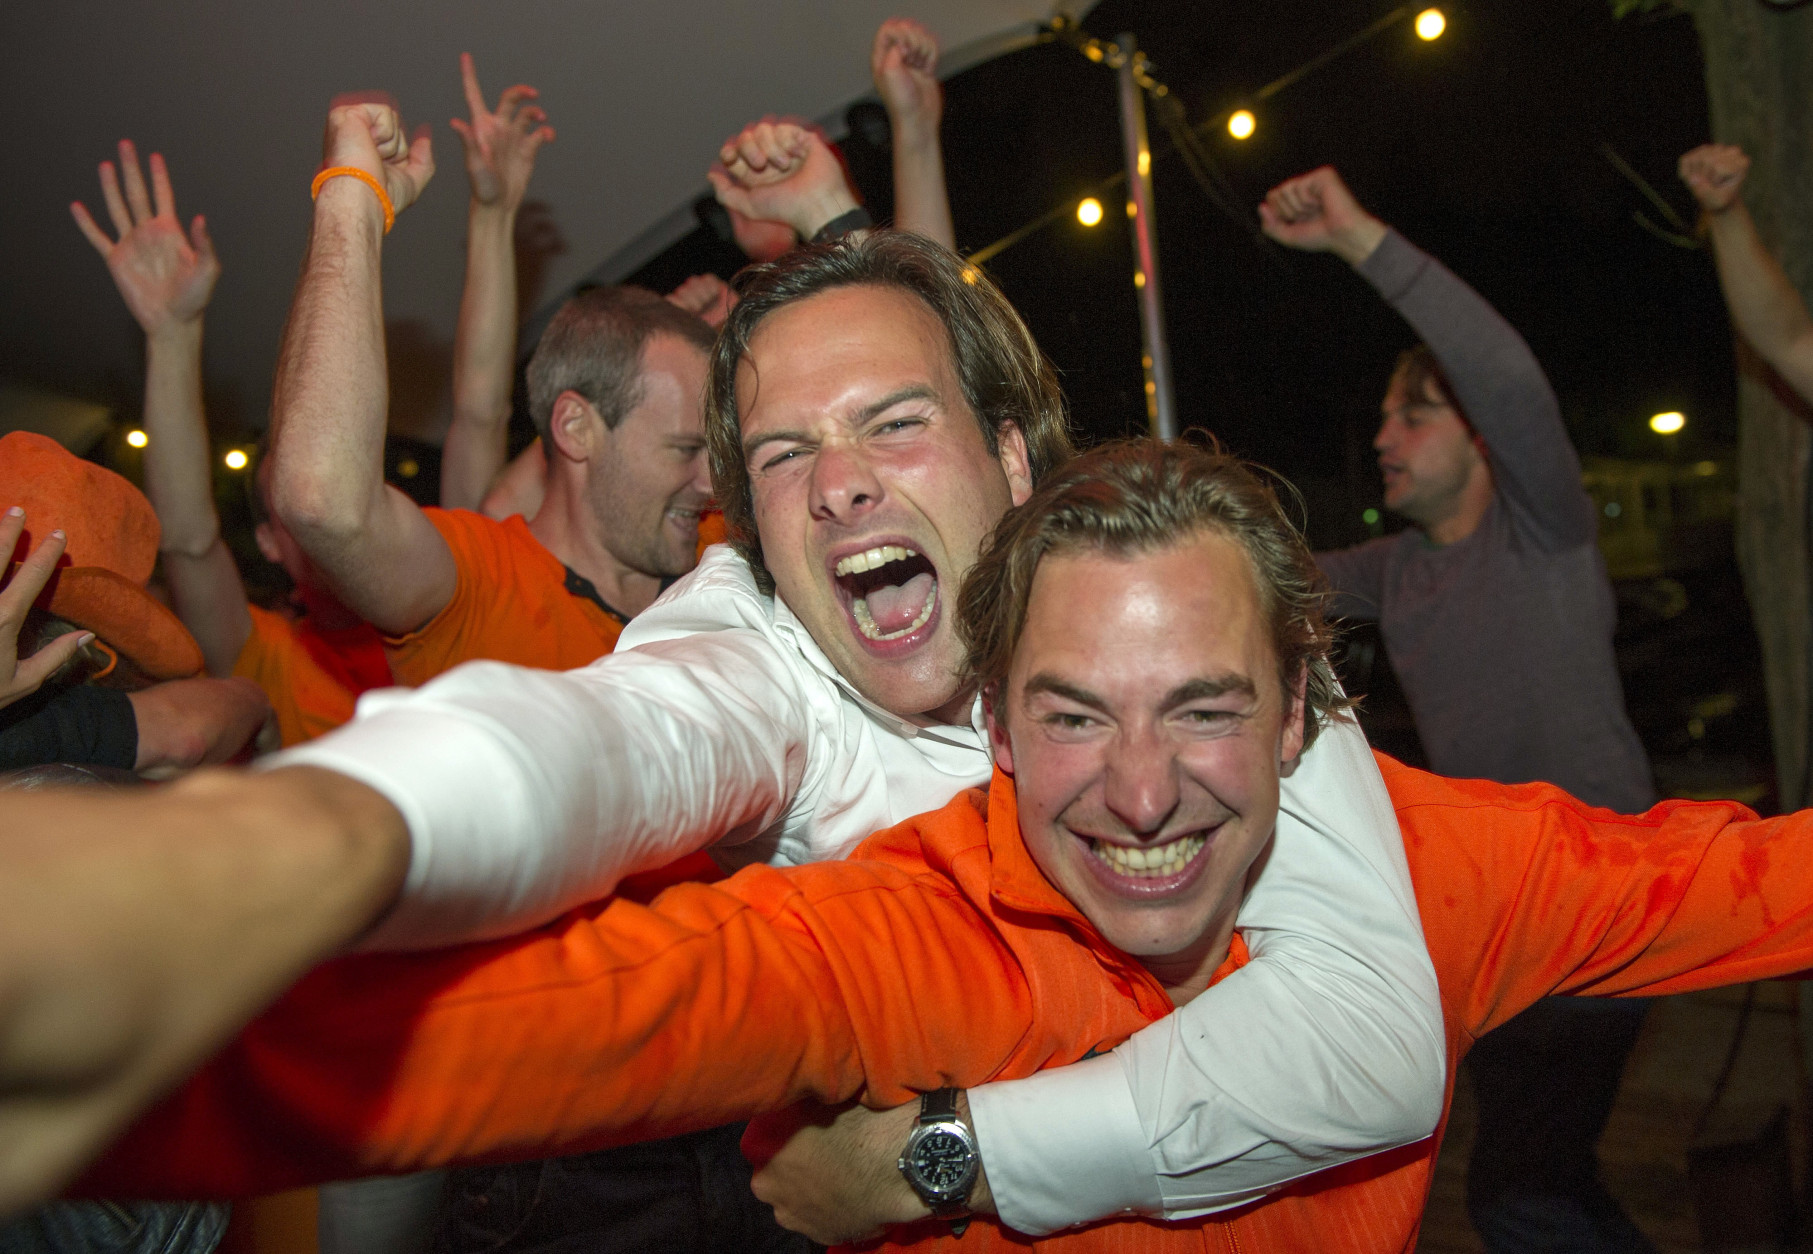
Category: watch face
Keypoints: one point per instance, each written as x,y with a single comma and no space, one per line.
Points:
941,1160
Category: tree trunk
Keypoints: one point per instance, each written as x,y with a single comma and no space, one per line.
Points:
1759,76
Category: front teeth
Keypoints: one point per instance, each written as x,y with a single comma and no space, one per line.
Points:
1156,862
869,559
866,624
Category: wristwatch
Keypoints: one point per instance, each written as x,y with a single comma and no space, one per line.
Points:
940,1160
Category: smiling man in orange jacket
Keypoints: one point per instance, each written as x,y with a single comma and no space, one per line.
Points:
1149,633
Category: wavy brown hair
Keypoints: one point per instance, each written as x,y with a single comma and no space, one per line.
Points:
1142,496
1005,379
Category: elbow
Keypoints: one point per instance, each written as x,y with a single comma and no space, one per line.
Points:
316,509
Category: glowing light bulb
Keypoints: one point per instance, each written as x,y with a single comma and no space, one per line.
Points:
1089,211
1430,24
1145,161
1242,124
971,275
1668,424
137,438
235,459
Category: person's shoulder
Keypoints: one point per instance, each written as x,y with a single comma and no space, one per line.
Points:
718,594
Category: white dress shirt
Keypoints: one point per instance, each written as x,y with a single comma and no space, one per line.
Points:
719,722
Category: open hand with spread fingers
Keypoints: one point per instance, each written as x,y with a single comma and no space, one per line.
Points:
501,145
165,275
1714,173
20,677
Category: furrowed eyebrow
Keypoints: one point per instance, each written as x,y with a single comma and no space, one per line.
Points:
912,392
1208,689
1045,682
749,448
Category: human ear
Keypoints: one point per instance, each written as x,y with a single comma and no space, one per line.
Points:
997,730
573,426
1010,442
267,544
1296,712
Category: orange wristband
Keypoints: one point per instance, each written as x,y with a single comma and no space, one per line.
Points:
335,171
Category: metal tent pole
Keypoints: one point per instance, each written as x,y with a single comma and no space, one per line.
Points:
1161,401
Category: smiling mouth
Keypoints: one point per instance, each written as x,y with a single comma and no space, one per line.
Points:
1154,862
891,590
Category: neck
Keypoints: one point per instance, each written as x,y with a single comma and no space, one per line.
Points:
567,527
1189,972
1463,516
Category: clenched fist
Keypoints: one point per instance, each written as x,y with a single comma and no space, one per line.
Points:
1714,173
1316,213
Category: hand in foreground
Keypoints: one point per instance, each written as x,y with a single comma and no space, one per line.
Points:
501,146
706,295
22,678
1316,213
784,172
834,1173
904,64
1714,173
186,723
165,276
365,131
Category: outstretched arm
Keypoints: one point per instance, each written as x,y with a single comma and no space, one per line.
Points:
1767,310
779,171
385,560
904,63
500,157
166,279
1497,380
137,933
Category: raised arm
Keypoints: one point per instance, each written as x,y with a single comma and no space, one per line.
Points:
166,279
1765,306
780,171
500,157
384,559
1501,387
904,63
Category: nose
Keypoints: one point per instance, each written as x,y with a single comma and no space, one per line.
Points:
701,475
1141,784
844,487
1387,436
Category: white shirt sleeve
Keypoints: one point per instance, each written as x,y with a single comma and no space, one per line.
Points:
529,792
1326,1047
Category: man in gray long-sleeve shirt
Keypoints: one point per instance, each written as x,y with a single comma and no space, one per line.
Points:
1497,616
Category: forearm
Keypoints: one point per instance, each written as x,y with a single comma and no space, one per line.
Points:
921,203
484,356
1765,306
329,405
531,792
236,887
204,581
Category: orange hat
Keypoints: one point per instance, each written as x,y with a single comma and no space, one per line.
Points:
113,534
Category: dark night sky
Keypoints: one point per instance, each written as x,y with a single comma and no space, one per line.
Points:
1482,147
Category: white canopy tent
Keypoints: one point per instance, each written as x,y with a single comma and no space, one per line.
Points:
234,94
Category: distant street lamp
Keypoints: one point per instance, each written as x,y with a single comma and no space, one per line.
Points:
235,459
1242,124
1668,423
1089,211
1430,24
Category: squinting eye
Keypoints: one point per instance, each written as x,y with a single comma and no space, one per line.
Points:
788,456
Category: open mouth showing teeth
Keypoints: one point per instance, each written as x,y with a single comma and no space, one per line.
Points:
1152,862
893,591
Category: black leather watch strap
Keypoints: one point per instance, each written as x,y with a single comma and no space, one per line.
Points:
938,1106
857,219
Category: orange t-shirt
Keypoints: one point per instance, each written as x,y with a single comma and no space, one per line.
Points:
312,677
514,602
938,955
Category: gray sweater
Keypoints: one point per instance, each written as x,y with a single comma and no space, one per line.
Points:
1503,641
